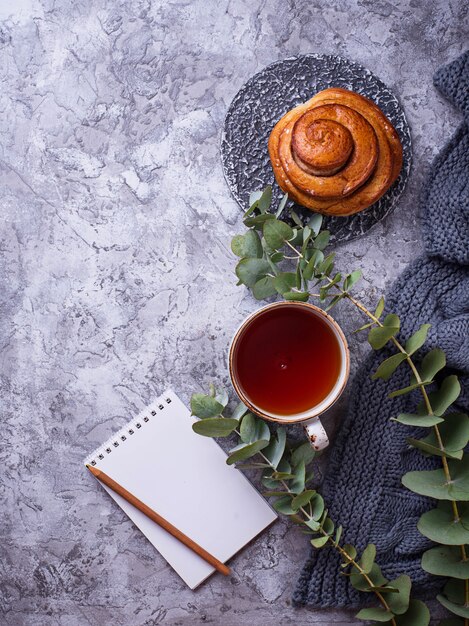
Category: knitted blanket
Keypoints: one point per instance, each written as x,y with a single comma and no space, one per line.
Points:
362,485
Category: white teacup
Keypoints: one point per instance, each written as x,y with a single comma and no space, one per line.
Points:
309,417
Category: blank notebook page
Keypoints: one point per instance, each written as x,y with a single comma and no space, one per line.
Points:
183,477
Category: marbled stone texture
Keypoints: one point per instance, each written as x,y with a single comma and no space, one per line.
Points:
117,273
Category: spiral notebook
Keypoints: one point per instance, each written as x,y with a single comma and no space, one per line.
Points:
183,477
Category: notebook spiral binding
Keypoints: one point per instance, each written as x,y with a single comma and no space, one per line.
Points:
128,430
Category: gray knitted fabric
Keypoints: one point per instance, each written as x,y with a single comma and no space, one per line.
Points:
362,485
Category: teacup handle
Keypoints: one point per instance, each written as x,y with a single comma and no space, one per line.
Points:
316,434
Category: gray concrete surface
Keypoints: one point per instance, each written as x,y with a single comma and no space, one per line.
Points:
117,276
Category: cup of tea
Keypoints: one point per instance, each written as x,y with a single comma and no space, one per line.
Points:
289,362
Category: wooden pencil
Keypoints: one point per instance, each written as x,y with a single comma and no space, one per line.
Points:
158,519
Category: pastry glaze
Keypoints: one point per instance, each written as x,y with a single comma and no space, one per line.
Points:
335,154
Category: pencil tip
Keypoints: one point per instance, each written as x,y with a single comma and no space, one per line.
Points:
94,470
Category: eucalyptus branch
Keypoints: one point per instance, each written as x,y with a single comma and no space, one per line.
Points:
284,475
262,269
428,406
438,435
336,545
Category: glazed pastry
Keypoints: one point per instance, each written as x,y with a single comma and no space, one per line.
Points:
336,154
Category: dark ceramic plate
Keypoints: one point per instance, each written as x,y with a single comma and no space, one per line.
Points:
268,95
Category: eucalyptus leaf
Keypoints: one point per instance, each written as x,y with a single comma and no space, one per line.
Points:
358,580
215,426
296,219
276,257
246,451
316,258
283,505
432,363
284,282
265,200
250,270
368,558
221,396
404,390
388,589
380,308
319,542
284,466
433,483
203,406
302,498
379,336
338,535
315,223
282,476
239,411
454,590
454,433
324,293
315,526
416,615
317,507
351,279
378,614
451,621
427,448
254,198
446,561
247,245
276,233
326,266
276,448
364,327
297,238
254,465
306,234
417,340
337,278
440,526
387,368
269,482
423,421
327,526
399,603
298,483
253,429
257,221
392,321
351,551
281,205
268,257
304,452
322,240
264,288
299,296
461,610
333,302
445,396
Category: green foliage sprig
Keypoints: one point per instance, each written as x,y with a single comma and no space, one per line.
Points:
287,477
267,252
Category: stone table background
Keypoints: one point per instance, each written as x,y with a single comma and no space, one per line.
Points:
117,277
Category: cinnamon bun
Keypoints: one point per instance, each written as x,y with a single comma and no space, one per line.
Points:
336,154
